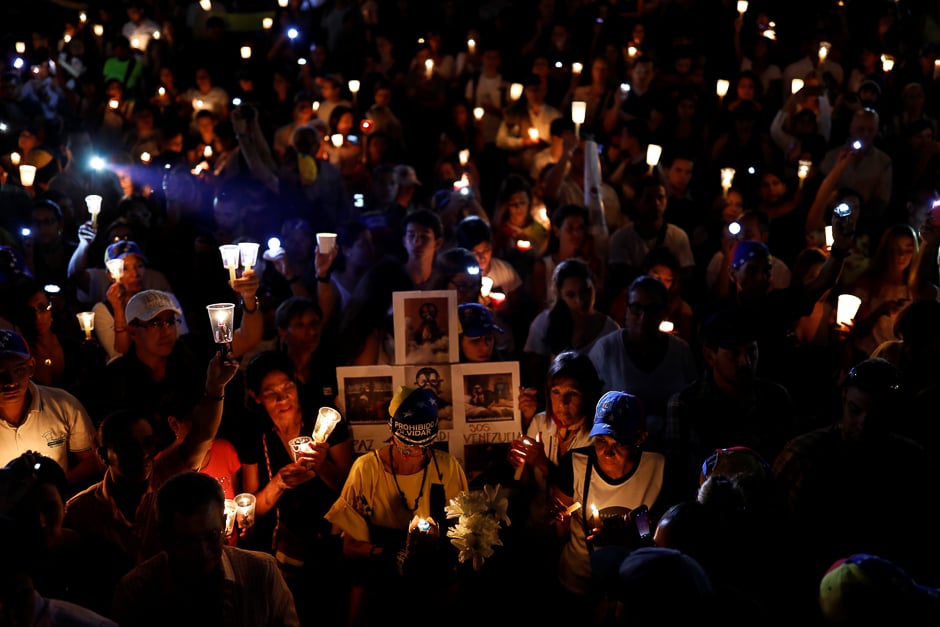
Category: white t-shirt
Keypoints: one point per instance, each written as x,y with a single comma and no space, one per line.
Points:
628,247
779,272
56,423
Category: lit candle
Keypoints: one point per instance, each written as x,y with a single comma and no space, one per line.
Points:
471,46
478,113
206,5
114,103
429,68
248,252
135,43
222,321
86,319
15,158
283,3
464,156
336,139
82,17
267,23
666,326
145,157
742,7
653,153
161,91
315,106
20,47
230,254
156,34
796,85
486,285
497,298
115,268
98,30
803,170
578,112
887,62
936,69
721,87
576,68
534,134
727,177
353,87
515,91
846,308
246,52
571,509
770,33
829,237
594,515
66,38
541,216
631,51
207,151
523,244
824,47
27,175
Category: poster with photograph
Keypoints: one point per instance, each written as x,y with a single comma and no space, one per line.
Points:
425,327
364,395
489,390
437,378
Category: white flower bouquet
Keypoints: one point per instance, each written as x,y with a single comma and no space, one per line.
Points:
478,515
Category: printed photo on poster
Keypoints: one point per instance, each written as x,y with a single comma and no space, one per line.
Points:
365,392
437,378
489,391
425,326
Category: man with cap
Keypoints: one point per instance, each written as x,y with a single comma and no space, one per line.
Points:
857,484
40,418
608,479
386,490
128,278
728,405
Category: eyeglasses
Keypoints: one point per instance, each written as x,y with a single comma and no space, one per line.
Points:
157,324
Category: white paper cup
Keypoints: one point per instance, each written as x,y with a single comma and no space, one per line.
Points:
301,444
847,307
245,509
230,512
326,241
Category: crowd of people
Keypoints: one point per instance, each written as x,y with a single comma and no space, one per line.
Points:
658,209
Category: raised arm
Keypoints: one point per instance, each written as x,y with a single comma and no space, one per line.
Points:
207,415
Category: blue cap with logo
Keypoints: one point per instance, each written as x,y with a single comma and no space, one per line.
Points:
476,320
12,343
747,250
123,248
620,416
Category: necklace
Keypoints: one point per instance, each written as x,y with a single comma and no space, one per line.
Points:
401,493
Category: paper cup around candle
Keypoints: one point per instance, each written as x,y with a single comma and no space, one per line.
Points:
231,510
576,67
515,91
15,158
653,153
230,256
93,202
523,244
27,175
248,252
353,86
327,419
301,444
578,111
846,309
115,268
666,326
222,321
887,62
742,7
478,113
86,319
497,298
796,85
325,242
98,29
245,509
267,23
721,87
486,285
829,237
246,52
464,156
20,47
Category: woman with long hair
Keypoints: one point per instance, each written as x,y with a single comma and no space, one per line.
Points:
513,220
886,288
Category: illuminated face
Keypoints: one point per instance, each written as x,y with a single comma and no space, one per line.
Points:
664,274
278,395
478,349
518,205
155,337
772,189
567,401
484,254
41,308
679,175
902,252
419,241
578,295
134,273
612,456
14,378
571,233
747,90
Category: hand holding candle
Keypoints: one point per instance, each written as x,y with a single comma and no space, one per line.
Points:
245,509
727,178
248,252
222,322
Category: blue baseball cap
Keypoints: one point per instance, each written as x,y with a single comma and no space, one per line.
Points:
620,416
123,248
12,343
746,250
476,320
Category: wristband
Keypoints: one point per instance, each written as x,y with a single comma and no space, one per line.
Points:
252,310
323,279
217,399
